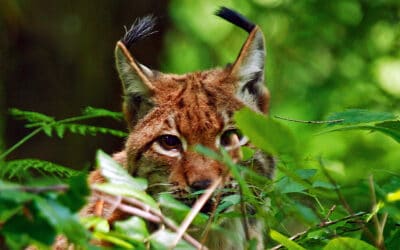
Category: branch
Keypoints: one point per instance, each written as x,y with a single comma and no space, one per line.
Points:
145,211
58,188
321,225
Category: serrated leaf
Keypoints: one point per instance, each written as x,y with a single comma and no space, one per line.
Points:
265,133
360,116
116,174
133,228
285,241
344,243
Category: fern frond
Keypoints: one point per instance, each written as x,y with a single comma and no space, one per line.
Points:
18,168
32,117
97,112
82,129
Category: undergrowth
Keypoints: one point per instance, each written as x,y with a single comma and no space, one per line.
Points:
304,207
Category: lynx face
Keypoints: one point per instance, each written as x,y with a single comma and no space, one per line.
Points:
169,114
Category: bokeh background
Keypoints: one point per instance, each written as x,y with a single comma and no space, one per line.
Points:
56,57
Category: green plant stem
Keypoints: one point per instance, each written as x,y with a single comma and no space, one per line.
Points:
78,118
22,141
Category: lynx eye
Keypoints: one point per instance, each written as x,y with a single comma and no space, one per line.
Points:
169,142
228,138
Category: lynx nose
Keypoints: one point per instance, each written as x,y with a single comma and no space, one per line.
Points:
200,185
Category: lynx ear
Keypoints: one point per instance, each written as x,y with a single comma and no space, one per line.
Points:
248,68
136,78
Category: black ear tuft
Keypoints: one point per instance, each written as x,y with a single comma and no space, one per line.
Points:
235,18
141,28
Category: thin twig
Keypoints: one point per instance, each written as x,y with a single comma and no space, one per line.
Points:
164,220
319,226
20,142
131,210
308,122
195,210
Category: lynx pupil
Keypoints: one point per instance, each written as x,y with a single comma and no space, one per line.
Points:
170,142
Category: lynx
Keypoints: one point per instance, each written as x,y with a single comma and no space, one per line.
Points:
168,114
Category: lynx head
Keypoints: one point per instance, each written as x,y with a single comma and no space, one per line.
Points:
169,114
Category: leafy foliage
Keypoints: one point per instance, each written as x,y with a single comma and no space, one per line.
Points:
384,122
17,168
26,209
306,196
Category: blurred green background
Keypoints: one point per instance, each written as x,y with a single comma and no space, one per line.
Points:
56,57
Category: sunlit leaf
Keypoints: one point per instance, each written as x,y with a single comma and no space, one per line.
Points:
126,191
133,228
285,241
344,243
265,133
114,173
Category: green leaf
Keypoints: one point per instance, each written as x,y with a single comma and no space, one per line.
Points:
76,195
228,201
133,228
32,117
116,174
287,185
17,168
344,243
60,130
163,239
62,219
265,133
21,229
98,224
247,153
360,116
322,184
126,191
114,240
285,241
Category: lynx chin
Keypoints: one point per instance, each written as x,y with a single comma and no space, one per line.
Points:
168,114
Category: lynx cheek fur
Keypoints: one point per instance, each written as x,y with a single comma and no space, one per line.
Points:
168,114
